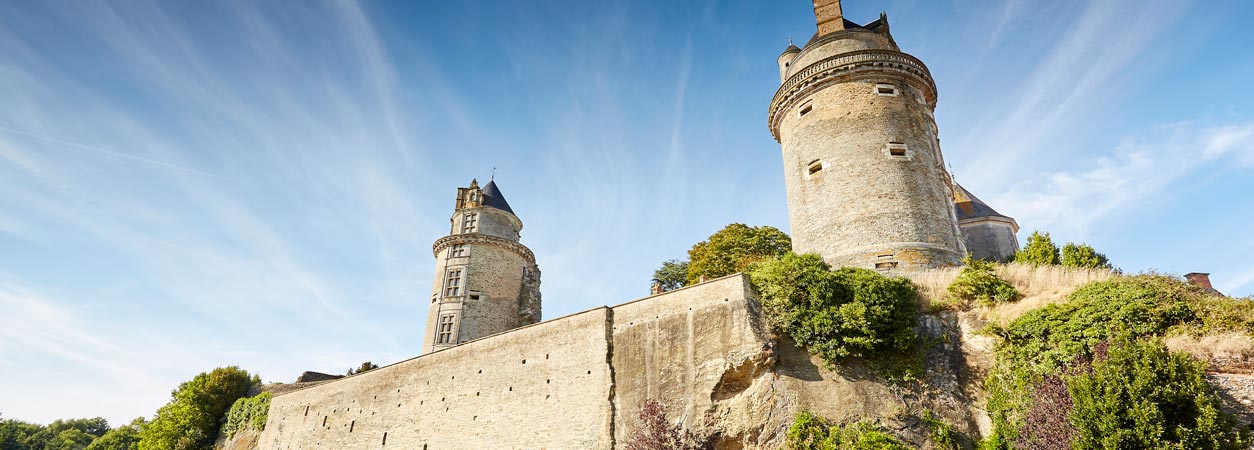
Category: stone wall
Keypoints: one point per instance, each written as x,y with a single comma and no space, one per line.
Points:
578,382
542,386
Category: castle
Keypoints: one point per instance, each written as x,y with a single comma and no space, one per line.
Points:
866,187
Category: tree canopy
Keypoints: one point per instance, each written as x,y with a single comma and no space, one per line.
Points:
733,249
190,421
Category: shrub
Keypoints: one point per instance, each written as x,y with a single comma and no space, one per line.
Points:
1039,251
846,313
1083,256
733,249
1142,396
978,282
247,413
943,435
190,421
810,432
655,432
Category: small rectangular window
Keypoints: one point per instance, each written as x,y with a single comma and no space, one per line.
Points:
453,283
470,223
805,108
444,332
886,265
816,166
457,251
886,90
897,150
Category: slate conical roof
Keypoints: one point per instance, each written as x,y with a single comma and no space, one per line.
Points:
492,197
968,206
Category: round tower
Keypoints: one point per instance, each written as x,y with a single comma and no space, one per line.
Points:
486,282
866,182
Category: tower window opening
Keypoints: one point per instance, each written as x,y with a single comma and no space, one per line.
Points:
886,90
470,223
897,150
453,283
805,108
886,265
457,251
444,334
816,167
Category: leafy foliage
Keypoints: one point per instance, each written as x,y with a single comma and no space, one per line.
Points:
673,274
74,434
810,432
943,435
364,367
1142,396
125,437
191,420
1040,251
655,432
248,413
836,314
1044,354
978,282
733,249
1083,256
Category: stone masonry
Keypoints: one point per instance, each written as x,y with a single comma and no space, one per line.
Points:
866,181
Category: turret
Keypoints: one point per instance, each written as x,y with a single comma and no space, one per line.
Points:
866,181
785,60
486,281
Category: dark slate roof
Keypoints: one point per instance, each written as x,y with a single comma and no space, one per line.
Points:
493,197
791,48
969,206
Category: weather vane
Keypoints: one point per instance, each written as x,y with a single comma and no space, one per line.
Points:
493,174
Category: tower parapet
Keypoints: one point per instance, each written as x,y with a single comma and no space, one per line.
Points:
486,281
866,181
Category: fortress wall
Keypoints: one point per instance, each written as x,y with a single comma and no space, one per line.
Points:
478,395
689,349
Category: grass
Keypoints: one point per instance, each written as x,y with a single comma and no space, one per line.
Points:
1040,285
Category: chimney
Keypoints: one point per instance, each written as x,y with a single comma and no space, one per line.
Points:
1200,279
829,16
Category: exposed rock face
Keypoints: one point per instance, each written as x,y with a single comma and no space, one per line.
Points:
310,376
1237,392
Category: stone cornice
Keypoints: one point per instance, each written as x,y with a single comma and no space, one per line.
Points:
856,65
477,238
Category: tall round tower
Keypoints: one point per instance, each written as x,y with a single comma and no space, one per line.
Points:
867,185
486,282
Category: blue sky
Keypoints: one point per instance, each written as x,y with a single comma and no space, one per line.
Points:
189,185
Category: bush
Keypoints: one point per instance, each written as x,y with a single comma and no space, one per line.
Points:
733,249
810,432
1040,251
191,420
1142,396
125,437
846,313
247,413
978,282
655,432
1083,256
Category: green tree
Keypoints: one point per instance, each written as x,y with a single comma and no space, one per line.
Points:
1040,251
1083,256
979,282
19,435
364,367
190,420
125,437
1143,396
673,274
836,314
733,249
248,413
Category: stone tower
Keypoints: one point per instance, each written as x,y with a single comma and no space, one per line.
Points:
486,282
866,182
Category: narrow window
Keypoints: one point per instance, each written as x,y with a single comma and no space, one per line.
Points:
816,166
351,425
897,150
306,411
470,223
385,438
805,108
886,265
453,283
457,251
886,90
444,332
324,420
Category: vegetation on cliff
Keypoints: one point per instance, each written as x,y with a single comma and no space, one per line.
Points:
654,432
810,432
836,314
1040,250
192,418
978,282
247,413
1059,382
